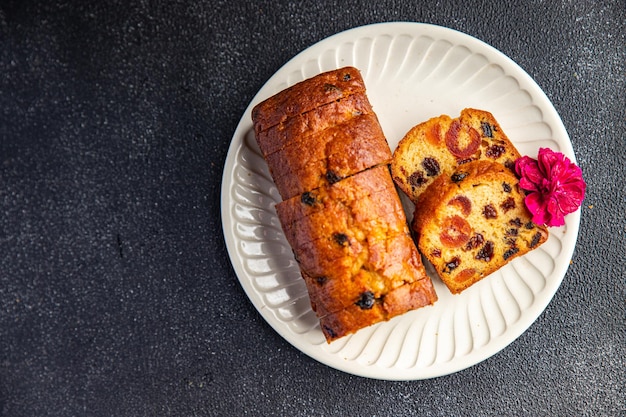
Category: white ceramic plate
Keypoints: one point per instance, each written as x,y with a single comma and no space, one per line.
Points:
412,72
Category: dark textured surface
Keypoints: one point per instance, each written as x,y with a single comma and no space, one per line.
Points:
116,293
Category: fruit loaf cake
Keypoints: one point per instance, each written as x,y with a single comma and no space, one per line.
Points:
340,212
354,252
441,144
473,221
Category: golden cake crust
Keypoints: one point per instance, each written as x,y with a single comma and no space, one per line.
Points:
307,95
300,127
405,298
380,266
329,155
351,238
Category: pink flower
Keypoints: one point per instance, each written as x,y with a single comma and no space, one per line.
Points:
554,185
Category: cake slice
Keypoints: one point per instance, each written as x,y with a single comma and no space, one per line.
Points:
364,199
353,245
307,95
369,309
442,144
299,127
472,221
329,155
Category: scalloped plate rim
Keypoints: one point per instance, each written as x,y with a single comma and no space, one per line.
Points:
494,345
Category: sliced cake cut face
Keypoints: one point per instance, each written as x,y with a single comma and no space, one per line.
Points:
473,221
442,144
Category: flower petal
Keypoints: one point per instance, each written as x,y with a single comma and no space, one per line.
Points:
555,183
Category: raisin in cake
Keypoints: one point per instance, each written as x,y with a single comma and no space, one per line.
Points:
340,212
442,144
473,221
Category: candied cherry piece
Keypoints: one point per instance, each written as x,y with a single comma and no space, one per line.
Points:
465,274
456,231
433,135
462,140
462,203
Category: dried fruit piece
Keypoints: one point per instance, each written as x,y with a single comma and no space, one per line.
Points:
486,252
341,239
452,264
487,130
433,135
508,204
458,176
465,274
535,240
495,151
463,203
510,252
462,140
308,199
456,231
475,241
431,166
511,232
417,179
489,211
366,301
332,177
